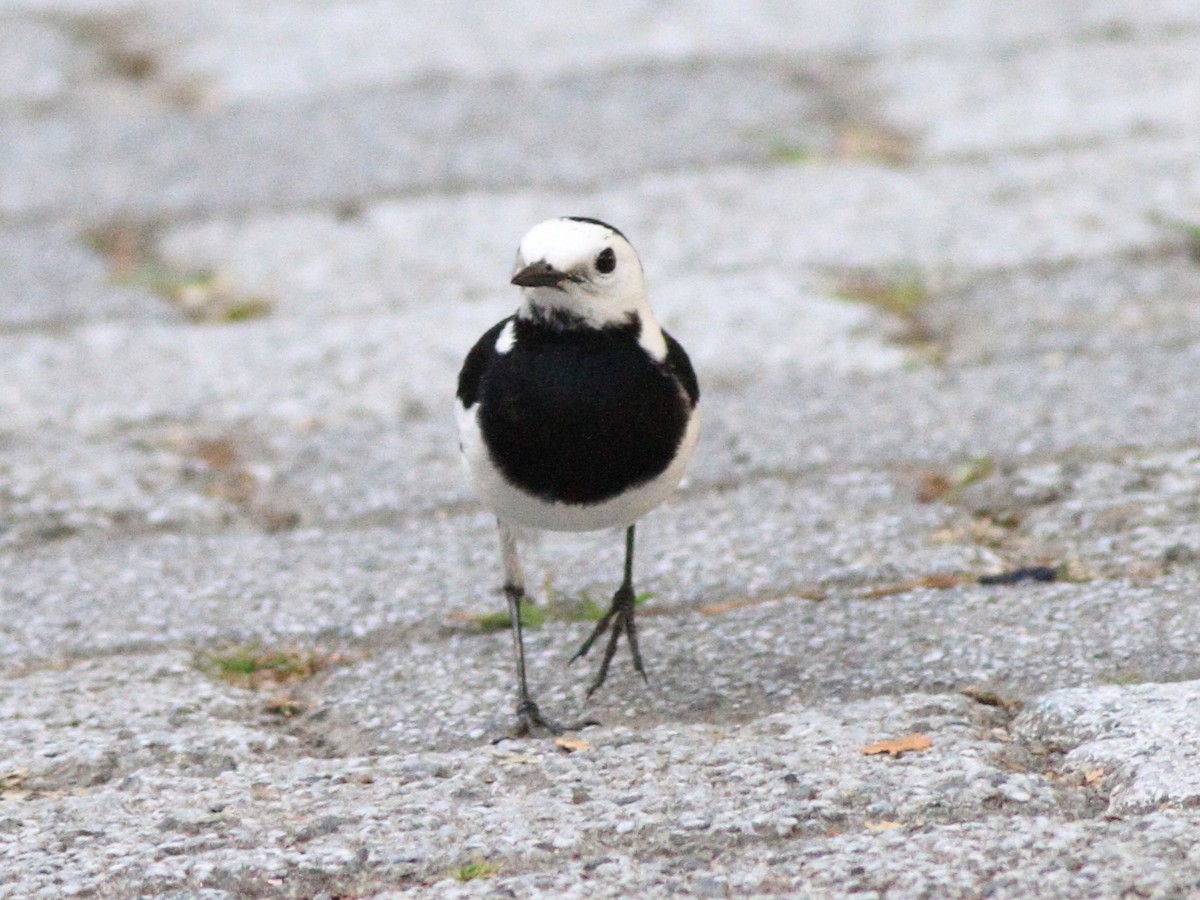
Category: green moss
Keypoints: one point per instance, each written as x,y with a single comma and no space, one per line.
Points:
476,868
969,473
583,608
1127,678
1190,231
1191,234
531,617
557,609
200,295
793,154
574,609
244,309
900,293
251,665
247,661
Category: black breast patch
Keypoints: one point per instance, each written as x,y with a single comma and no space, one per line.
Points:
578,415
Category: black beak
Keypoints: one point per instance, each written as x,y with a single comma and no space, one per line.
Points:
540,274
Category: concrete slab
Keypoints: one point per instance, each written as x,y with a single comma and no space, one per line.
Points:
1101,308
257,52
53,281
934,261
139,163
1046,96
1140,739
37,60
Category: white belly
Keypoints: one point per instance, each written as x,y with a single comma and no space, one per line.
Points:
525,509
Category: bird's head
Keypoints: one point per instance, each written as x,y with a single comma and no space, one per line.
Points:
581,269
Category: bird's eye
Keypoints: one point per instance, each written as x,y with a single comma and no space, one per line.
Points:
606,261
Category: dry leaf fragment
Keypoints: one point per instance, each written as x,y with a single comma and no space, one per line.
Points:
570,745
716,609
937,582
874,143
517,759
896,746
990,698
724,606
932,486
24,794
881,826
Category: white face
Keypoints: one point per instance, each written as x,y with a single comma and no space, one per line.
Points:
604,281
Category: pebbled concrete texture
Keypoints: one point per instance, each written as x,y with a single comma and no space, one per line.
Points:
1140,737
937,266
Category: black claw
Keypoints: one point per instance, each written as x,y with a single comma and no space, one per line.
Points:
609,652
621,618
530,719
601,627
631,636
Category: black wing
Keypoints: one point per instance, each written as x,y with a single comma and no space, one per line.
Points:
478,361
681,367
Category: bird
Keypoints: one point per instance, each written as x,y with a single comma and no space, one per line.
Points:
576,413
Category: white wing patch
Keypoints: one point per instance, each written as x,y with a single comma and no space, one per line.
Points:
507,339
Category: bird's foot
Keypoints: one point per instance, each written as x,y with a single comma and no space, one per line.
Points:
530,722
620,617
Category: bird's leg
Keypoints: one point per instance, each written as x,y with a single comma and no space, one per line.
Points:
620,617
529,716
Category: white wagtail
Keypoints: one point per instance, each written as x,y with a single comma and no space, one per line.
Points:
575,414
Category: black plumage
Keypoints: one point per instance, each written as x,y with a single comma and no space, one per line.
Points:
573,414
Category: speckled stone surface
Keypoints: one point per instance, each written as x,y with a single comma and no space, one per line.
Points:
937,266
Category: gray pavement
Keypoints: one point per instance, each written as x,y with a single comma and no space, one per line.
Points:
937,266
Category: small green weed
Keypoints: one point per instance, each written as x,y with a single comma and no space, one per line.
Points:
949,487
786,152
900,293
972,472
253,666
576,609
584,608
1127,678
557,609
476,868
243,309
1189,230
531,617
199,294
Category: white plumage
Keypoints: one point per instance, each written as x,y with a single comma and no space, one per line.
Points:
576,413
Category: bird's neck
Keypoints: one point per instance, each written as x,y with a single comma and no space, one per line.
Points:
560,317
551,304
